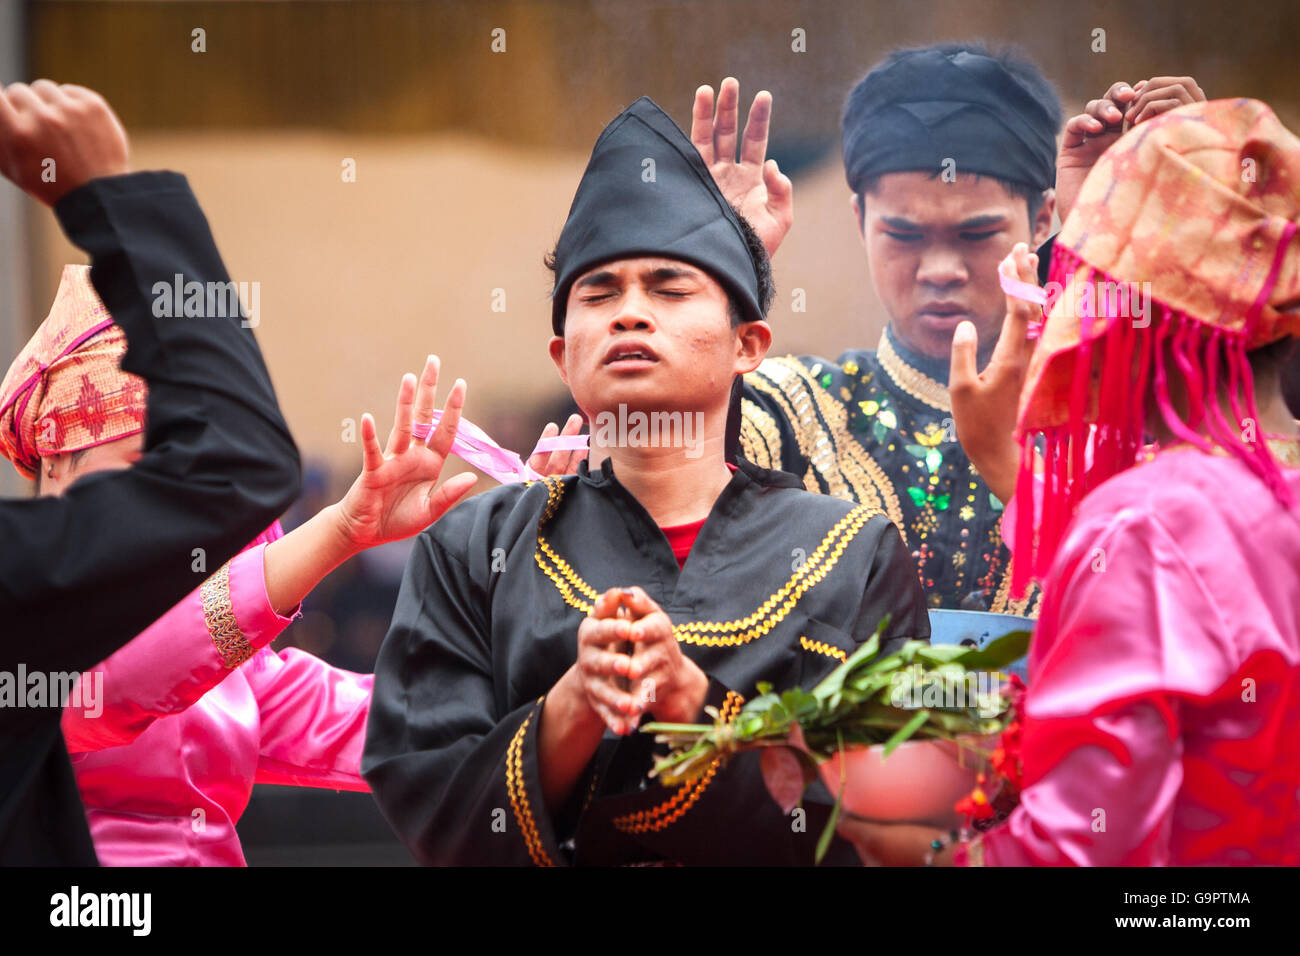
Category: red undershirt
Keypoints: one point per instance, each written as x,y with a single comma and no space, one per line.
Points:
681,537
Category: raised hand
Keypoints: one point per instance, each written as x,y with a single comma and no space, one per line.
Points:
753,184
55,138
397,493
985,404
1089,134
559,462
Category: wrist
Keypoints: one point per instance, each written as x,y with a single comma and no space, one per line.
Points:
685,706
342,531
574,710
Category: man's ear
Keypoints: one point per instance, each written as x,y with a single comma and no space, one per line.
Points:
753,339
556,348
1043,221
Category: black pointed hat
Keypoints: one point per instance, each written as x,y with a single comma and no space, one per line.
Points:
671,207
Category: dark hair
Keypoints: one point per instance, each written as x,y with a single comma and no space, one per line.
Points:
73,462
1012,59
757,255
1270,359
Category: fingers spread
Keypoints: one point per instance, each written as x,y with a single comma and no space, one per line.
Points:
426,394
444,436
372,456
702,123
399,439
727,121
753,148
449,492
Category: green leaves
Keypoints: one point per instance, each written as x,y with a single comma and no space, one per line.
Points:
919,691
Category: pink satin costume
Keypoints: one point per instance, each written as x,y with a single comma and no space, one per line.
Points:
1163,712
197,710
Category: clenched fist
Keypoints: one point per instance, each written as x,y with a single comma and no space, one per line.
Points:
55,138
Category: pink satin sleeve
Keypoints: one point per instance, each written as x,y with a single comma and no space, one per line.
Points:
175,661
313,719
1128,632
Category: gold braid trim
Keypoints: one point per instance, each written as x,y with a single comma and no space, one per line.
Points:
1003,603
843,463
820,647
519,795
711,633
760,441
687,795
975,852
219,616
912,381
792,385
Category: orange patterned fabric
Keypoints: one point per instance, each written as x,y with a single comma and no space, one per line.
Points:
1174,264
66,391
1193,202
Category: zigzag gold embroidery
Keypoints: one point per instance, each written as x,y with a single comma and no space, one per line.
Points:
219,617
820,647
687,795
518,793
711,633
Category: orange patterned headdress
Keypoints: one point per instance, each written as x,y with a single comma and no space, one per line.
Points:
66,391
1178,250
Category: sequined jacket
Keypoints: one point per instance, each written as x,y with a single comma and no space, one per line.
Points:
874,429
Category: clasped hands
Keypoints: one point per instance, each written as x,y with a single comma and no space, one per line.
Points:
630,664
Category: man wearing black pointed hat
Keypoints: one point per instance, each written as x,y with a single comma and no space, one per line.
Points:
950,154
538,624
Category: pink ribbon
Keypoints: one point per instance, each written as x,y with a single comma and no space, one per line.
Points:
1027,292
476,447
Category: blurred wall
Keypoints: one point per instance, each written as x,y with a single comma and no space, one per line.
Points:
466,159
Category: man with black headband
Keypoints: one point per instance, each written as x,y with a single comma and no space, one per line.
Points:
537,624
951,157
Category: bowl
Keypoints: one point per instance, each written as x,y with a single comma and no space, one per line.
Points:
919,782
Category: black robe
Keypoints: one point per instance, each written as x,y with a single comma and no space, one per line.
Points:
780,586
82,574
876,428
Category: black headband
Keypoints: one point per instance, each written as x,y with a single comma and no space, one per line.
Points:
930,107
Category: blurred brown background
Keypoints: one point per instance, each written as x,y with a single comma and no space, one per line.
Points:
466,160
